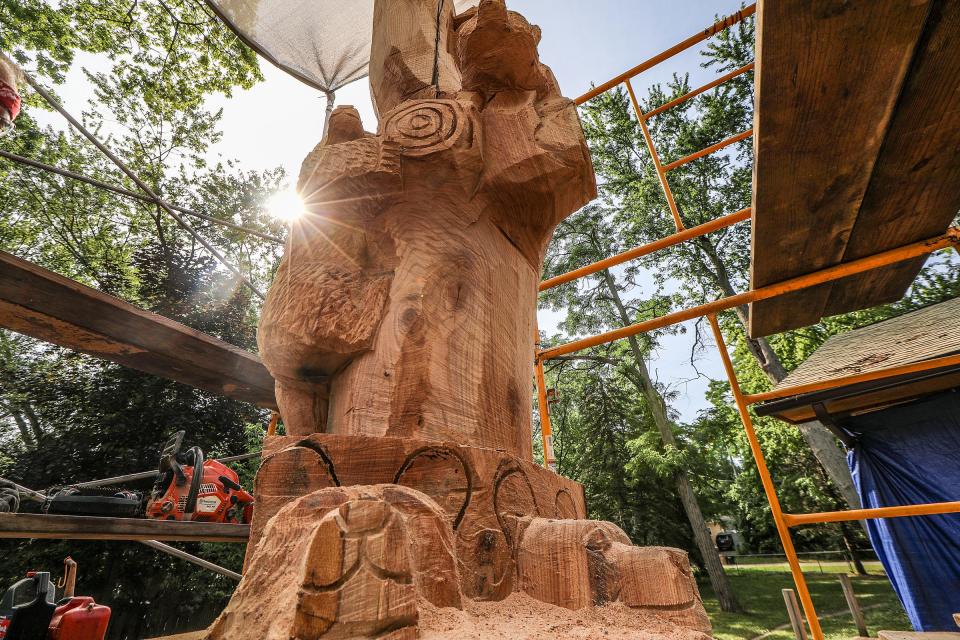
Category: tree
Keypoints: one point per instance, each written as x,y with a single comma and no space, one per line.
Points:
710,187
65,417
586,237
599,420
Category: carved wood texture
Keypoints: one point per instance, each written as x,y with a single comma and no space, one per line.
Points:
405,302
399,330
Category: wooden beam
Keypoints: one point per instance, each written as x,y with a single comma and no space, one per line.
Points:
914,191
32,525
828,75
796,617
47,306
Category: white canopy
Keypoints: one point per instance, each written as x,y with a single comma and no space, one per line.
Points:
324,43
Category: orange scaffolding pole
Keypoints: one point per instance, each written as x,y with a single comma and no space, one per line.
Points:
797,519
711,149
949,239
713,29
687,234
695,92
661,171
778,517
546,429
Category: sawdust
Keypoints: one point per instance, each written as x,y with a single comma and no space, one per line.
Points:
520,617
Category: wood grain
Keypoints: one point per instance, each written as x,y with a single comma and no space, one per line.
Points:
914,191
478,489
47,306
345,562
32,525
828,75
405,302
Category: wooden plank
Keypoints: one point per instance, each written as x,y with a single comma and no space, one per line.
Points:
853,605
796,617
914,191
32,525
45,305
827,79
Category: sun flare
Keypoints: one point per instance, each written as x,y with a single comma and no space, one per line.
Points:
286,205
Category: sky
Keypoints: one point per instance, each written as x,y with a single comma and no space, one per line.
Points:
278,121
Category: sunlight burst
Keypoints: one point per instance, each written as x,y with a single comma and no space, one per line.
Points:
286,205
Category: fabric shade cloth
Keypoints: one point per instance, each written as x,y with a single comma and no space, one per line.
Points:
910,454
324,43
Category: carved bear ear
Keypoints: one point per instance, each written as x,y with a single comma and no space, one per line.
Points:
497,50
345,125
410,54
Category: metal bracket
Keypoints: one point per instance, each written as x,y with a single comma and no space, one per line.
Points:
827,420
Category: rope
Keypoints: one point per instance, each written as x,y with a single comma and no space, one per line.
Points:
143,185
130,194
331,98
436,49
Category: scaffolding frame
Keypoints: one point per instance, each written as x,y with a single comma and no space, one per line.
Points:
783,521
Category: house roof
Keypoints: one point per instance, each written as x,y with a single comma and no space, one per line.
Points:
924,334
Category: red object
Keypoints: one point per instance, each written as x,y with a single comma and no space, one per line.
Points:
217,501
79,619
9,100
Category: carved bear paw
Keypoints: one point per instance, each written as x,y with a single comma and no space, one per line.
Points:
345,562
579,563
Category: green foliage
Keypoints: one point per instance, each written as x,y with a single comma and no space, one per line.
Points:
65,417
596,419
631,211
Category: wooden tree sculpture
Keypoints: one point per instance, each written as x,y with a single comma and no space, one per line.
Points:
399,329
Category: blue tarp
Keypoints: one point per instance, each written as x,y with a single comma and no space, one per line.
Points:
910,454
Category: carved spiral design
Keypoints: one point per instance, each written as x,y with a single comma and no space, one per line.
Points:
425,127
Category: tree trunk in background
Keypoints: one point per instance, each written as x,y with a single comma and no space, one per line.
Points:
822,443
852,549
658,408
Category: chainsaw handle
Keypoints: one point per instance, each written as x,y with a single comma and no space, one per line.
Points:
177,469
195,481
230,484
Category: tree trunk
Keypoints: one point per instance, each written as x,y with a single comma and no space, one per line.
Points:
28,440
818,437
701,534
852,549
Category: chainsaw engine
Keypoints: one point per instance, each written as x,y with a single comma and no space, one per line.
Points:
191,488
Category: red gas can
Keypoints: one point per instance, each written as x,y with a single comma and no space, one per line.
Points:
80,619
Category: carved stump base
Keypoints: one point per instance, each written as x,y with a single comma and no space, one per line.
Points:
364,537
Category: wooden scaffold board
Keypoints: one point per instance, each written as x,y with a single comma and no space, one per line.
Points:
47,306
855,137
34,525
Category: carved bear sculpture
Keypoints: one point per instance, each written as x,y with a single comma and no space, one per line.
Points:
400,328
405,302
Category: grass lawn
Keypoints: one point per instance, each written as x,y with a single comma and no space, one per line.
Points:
759,589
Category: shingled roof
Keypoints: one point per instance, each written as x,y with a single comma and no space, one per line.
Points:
924,334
